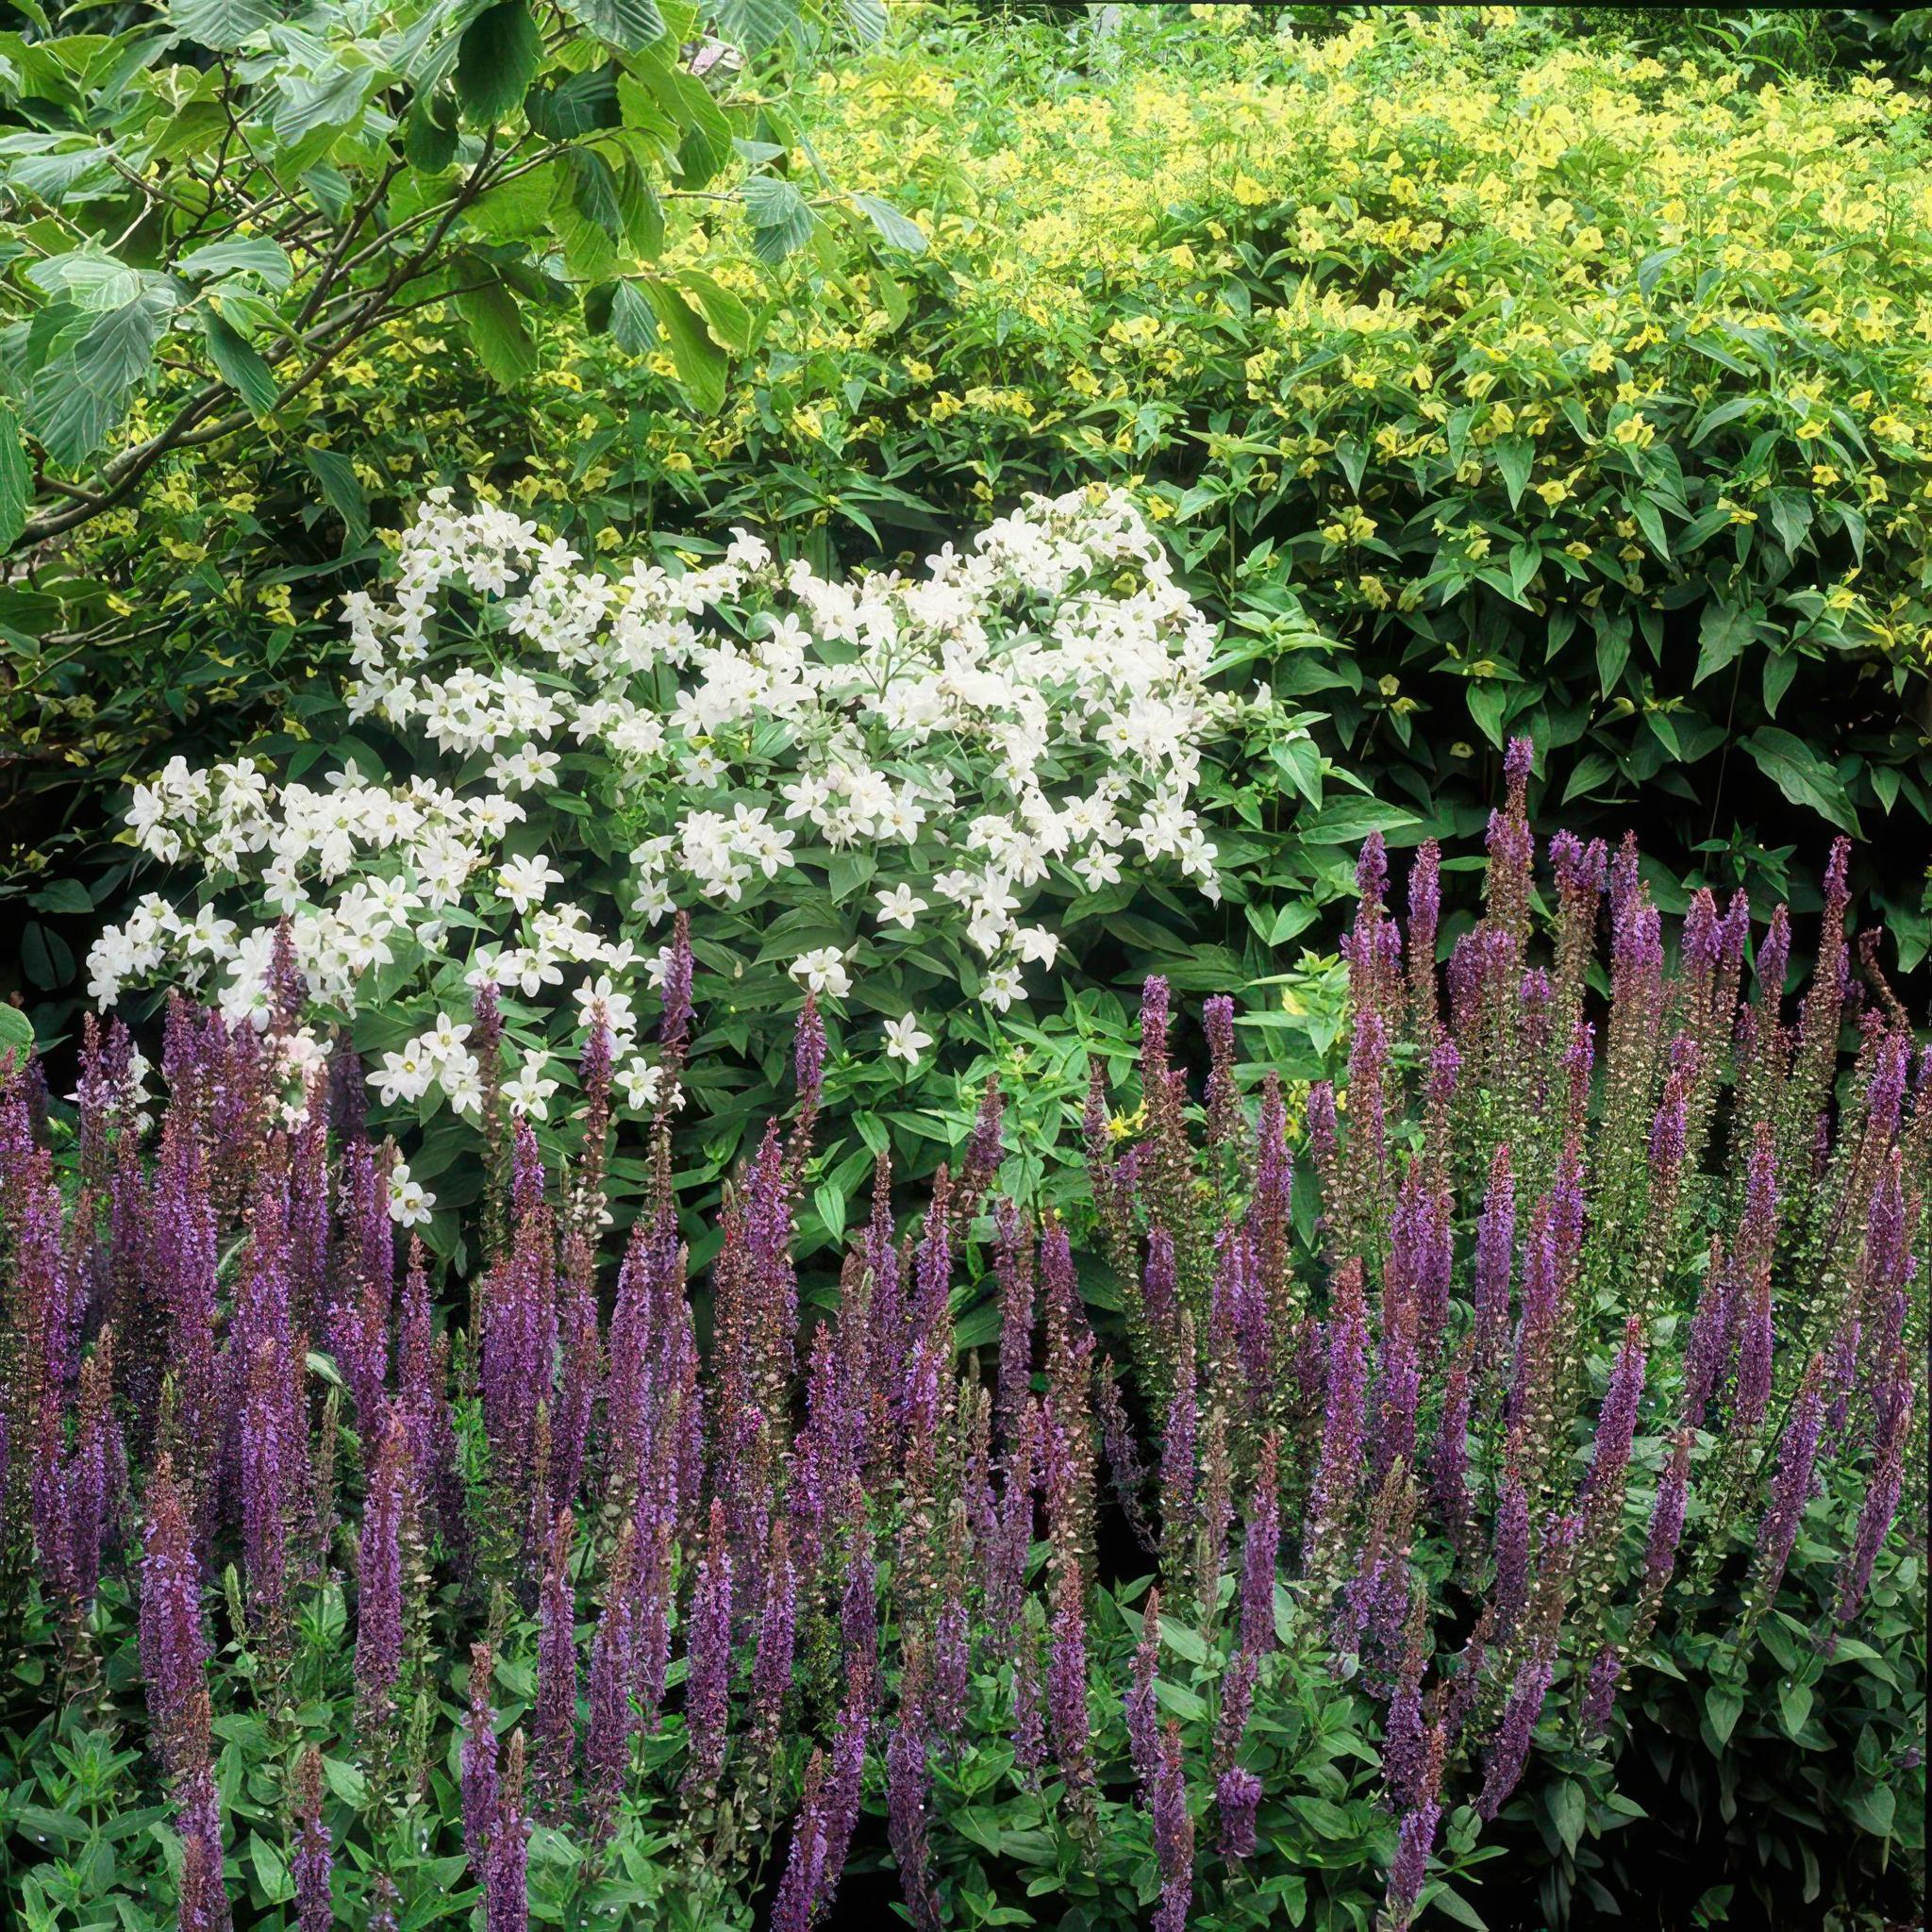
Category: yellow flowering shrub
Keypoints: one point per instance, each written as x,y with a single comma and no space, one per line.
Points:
1561,390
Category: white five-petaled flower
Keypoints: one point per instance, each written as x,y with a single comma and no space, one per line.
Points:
823,971
524,881
906,1039
410,1202
900,907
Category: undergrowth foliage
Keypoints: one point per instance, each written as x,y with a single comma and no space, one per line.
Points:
1569,1340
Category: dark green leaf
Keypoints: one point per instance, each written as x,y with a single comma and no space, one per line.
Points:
240,365
498,60
632,24
781,219
496,327
895,230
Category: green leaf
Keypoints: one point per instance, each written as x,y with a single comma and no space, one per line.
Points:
271,1868
341,489
76,402
220,24
1569,1808
496,327
756,24
16,1032
1722,1707
632,24
1801,774
1349,821
1724,631
347,1781
1874,1809
16,479
700,360
1515,459
62,897
1794,1705
633,320
1487,704
240,365
496,61
725,316
895,230
1650,521
265,261
781,219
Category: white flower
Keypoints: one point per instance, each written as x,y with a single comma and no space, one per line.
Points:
527,1091
1036,946
410,1202
823,971
905,1040
639,1083
404,1075
1002,988
524,881
900,907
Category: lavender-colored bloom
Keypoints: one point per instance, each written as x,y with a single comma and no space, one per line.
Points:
1179,1508
1339,1468
1261,1553
808,1055
805,1865
908,1781
843,1787
1511,1595
707,1686
1416,1836
1791,1487
379,1607
1600,1689
1706,1354
777,1631
1237,1798
1880,1507
1509,1748
174,1643
1616,1428
505,1887
1142,1709
1158,1292
311,1860
1449,1459
555,1719
1066,1686
479,1779
1495,1247
1174,1833
1667,1516
1224,1097
675,987
1123,1455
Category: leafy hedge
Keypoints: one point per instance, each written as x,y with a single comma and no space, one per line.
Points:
1487,384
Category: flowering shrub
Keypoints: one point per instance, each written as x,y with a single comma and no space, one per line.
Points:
1495,376
1523,1385
887,792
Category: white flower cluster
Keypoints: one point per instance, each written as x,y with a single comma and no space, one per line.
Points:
1036,703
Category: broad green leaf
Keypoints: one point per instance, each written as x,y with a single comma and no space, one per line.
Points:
1794,1705
92,281
341,488
781,218
633,319
1724,631
1349,821
700,360
16,1032
632,24
895,230
1569,1808
263,260
1801,774
16,478
1724,1706
498,59
756,24
496,327
725,316
77,400
240,365
271,1868
221,24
